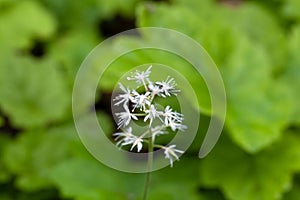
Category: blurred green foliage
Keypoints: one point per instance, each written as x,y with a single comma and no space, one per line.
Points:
254,43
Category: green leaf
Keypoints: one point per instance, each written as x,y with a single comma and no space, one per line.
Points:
99,182
18,31
88,179
294,193
211,24
35,153
118,6
241,176
70,51
246,58
167,182
290,9
37,195
258,106
127,62
88,13
291,75
83,13
266,32
33,93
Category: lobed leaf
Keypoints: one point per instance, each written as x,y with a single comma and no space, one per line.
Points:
244,176
34,153
32,93
23,22
291,74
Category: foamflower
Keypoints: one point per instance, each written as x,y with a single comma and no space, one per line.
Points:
160,120
171,153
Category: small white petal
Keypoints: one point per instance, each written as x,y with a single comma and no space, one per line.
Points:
168,87
139,147
156,131
173,119
141,100
137,142
155,90
125,117
123,98
151,114
141,77
170,153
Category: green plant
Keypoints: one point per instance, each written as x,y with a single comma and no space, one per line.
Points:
255,45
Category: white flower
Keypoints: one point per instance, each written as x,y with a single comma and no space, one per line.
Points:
175,125
123,98
126,137
151,114
172,116
125,117
141,77
168,86
137,142
129,138
168,118
141,100
156,131
170,153
155,90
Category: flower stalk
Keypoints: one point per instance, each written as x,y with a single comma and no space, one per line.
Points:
149,165
142,105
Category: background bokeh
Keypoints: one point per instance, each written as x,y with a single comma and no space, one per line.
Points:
255,45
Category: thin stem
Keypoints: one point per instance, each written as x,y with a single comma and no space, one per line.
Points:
151,135
159,146
139,114
152,98
146,88
149,164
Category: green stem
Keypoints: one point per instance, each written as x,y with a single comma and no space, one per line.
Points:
146,88
139,114
149,164
147,132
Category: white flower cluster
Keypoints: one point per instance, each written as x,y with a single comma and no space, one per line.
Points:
142,105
